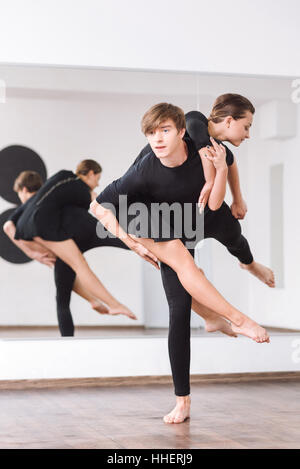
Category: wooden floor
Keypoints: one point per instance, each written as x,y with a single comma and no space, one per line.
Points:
236,415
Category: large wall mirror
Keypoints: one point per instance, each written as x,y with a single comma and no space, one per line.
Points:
51,118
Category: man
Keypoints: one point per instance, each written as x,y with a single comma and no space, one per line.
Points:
172,172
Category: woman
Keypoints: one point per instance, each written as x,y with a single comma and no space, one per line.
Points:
40,220
230,120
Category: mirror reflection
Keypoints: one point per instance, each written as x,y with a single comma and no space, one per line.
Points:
67,134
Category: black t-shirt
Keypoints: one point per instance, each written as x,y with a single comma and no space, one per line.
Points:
197,130
150,182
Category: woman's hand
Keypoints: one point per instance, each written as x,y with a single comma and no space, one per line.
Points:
204,196
142,251
217,155
239,209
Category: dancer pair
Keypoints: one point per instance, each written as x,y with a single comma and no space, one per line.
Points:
169,170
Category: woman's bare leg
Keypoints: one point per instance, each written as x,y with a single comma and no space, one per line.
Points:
95,303
180,260
69,253
213,321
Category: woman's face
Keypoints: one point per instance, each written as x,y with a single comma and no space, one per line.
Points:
236,131
93,179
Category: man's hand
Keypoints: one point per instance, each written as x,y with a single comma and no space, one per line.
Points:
142,251
46,258
239,209
93,207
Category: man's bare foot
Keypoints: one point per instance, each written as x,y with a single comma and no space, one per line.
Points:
181,411
263,273
219,324
252,330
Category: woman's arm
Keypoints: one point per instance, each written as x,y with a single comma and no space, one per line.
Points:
32,249
238,207
109,221
209,175
93,195
217,155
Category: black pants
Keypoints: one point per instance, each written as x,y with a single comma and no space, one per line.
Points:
64,279
220,225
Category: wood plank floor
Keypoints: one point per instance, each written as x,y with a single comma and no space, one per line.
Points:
224,415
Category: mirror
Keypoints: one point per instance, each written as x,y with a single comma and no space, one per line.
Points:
52,118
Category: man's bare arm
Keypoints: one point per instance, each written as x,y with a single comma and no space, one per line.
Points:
109,221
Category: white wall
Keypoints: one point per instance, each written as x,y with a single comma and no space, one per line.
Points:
249,37
279,307
142,356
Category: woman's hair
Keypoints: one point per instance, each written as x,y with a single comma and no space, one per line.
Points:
159,113
88,165
230,104
29,179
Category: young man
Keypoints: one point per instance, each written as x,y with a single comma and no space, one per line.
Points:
171,172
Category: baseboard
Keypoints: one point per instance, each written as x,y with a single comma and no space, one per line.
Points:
144,380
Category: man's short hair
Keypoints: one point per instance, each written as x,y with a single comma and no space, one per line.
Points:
29,179
161,112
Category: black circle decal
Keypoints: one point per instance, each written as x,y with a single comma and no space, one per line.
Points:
13,160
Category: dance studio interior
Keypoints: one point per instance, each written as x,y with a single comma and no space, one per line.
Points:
76,79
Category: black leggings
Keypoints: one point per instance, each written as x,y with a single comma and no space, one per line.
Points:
64,277
222,226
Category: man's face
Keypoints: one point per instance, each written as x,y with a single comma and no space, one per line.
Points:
164,140
23,195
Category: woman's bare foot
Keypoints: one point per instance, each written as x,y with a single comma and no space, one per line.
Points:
99,307
252,330
121,309
263,273
219,324
181,411
118,309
